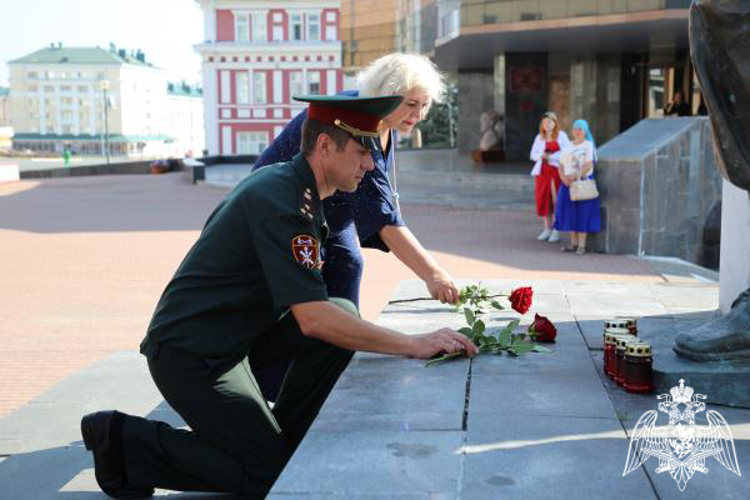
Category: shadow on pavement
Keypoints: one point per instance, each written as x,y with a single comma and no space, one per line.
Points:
107,203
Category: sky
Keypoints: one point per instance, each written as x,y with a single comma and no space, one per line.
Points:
165,30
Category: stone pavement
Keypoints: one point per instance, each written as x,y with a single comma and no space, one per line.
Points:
536,426
84,260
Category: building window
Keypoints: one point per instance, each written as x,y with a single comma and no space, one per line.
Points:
331,33
66,114
259,27
66,88
49,88
278,33
259,87
331,17
295,84
241,27
313,26
313,83
33,75
225,85
251,143
67,129
295,27
83,89
243,88
50,75
67,101
32,88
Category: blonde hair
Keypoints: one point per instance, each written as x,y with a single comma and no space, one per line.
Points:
399,73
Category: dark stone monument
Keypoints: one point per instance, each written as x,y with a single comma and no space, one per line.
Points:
718,351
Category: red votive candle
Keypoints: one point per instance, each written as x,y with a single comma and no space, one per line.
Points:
638,363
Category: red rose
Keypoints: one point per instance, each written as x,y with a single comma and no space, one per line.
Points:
542,329
520,299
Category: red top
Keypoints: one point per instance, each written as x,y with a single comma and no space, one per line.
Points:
550,147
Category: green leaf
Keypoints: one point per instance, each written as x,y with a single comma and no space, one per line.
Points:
466,331
504,337
520,349
469,314
478,327
541,349
497,305
513,324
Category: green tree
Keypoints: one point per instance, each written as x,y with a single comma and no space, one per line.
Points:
439,127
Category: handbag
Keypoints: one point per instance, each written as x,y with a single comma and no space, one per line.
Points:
583,189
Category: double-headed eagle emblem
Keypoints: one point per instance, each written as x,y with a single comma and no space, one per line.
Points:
682,447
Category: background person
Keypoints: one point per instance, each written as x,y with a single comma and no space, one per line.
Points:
678,107
545,152
578,217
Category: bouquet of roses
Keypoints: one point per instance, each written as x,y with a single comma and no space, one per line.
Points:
476,300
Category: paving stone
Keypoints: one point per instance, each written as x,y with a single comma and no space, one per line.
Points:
549,457
553,389
368,462
387,392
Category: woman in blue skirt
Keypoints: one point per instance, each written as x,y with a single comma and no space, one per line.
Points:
371,217
579,218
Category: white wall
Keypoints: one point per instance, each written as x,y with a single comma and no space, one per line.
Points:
734,272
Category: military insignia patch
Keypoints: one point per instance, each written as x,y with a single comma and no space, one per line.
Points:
305,250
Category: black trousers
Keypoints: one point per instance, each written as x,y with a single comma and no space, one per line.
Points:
236,444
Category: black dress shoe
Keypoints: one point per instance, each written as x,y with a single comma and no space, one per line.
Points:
97,430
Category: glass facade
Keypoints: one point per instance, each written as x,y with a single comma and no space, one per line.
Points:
480,12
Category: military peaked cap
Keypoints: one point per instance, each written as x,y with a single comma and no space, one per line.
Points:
360,116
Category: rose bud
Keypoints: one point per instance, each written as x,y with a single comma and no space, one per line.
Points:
542,329
520,299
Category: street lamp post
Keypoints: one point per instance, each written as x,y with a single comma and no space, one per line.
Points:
104,86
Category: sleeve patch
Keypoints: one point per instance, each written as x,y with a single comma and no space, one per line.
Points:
306,250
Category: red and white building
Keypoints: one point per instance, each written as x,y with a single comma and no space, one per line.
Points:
256,56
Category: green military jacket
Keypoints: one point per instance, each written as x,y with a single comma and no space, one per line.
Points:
258,254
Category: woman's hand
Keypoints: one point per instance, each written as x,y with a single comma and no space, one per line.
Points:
441,287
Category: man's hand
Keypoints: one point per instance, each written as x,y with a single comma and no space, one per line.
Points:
426,345
441,287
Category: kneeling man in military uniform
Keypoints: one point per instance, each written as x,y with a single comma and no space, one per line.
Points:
248,294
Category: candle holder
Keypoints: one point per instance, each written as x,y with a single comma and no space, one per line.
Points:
638,367
621,342
628,323
609,354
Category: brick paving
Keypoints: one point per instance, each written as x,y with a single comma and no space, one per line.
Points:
84,260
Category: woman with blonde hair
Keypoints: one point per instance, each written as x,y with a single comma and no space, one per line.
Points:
545,152
371,217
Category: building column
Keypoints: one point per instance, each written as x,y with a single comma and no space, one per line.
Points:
734,267
595,93
499,86
475,96
211,108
